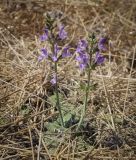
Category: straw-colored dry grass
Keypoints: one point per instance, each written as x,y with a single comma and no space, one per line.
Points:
25,84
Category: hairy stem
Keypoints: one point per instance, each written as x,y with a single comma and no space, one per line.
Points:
57,96
85,101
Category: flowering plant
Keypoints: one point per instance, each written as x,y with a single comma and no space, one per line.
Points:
88,55
54,33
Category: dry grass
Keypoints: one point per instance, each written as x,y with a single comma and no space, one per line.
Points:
25,84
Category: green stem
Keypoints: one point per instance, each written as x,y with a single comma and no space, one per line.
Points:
85,101
52,41
57,97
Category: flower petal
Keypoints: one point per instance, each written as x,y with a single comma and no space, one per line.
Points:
53,80
54,58
83,60
99,59
62,32
82,45
44,52
43,55
101,44
66,52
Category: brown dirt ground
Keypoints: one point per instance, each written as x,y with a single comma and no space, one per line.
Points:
22,79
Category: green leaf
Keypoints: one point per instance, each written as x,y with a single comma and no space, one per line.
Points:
25,110
53,99
53,127
83,86
92,86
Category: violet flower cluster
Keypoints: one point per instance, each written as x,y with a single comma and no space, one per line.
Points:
57,52
88,51
84,56
54,56
89,56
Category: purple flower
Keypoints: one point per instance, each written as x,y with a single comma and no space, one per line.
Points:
79,58
101,44
99,59
54,58
82,66
55,54
43,55
44,37
83,60
56,49
66,52
62,32
54,79
82,45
